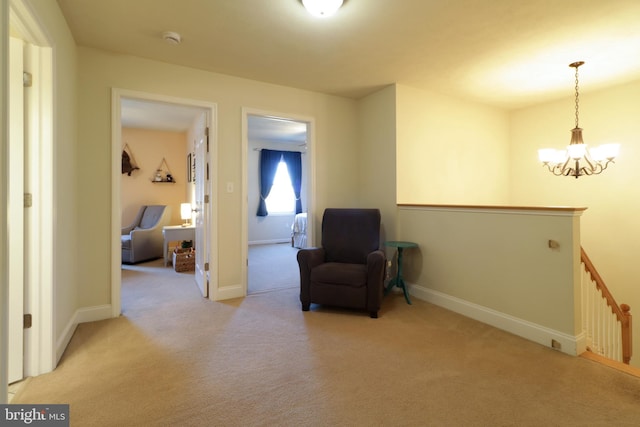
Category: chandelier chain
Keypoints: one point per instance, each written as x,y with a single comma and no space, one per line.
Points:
577,97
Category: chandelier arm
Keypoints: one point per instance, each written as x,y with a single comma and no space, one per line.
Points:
589,161
556,170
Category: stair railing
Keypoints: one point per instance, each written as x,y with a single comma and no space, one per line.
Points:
606,324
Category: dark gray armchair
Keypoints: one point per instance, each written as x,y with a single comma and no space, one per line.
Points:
348,270
143,239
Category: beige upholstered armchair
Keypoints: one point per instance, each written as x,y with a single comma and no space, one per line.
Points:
143,240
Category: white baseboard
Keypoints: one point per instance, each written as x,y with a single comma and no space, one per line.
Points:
269,242
533,332
82,315
229,292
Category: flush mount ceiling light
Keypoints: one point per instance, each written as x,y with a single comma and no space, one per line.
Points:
171,37
568,162
322,8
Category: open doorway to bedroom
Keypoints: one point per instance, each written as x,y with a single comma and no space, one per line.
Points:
156,180
160,135
278,199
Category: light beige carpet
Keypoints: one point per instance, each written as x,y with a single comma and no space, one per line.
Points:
272,267
176,359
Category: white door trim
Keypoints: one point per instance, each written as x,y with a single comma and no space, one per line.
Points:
4,191
40,346
117,95
41,349
310,163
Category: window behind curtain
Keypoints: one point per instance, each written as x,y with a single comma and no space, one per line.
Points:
281,199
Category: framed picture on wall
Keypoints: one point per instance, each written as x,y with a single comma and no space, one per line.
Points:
193,168
189,177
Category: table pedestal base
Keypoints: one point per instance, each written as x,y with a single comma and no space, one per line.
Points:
397,281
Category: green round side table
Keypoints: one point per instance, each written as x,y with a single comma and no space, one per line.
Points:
398,281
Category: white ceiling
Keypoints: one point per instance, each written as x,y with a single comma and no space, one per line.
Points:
141,114
276,129
506,53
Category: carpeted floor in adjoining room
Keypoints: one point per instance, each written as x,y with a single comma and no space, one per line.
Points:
175,358
272,266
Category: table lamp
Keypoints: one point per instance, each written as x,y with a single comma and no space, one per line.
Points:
185,214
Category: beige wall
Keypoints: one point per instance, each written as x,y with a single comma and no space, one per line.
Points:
99,72
449,150
610,230
149,147
377,156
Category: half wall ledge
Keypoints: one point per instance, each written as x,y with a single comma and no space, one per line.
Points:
495,207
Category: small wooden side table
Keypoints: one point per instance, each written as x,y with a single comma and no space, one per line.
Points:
398,281
174,233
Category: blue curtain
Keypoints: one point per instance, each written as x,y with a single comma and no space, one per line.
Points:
269,160
293,160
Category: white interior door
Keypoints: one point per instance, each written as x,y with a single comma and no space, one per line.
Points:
201,176
15,176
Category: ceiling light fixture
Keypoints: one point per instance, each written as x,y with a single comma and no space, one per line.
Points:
171,37
322,8
567,162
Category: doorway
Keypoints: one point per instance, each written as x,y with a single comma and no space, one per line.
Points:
270,249
137,109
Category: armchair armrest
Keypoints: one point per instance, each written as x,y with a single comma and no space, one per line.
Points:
376,267
146,243
310,258
126,230
134,224
307,260
376,263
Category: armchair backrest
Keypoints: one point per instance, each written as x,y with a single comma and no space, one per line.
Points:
350,235
151,216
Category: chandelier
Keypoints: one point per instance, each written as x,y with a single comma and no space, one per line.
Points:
577,160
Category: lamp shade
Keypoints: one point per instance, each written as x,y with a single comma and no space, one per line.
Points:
576,151
547,155
185,211
610,151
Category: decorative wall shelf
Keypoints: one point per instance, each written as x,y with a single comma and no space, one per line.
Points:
129,164
168,176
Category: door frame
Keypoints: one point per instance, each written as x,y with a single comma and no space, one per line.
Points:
310,164
41,351
117,94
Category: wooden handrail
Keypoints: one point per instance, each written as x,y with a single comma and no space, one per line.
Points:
622,312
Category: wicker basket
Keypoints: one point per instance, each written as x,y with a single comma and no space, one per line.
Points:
184,260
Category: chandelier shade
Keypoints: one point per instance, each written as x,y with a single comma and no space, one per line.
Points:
577,159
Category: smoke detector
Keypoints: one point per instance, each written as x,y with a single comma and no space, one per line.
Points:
171,37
